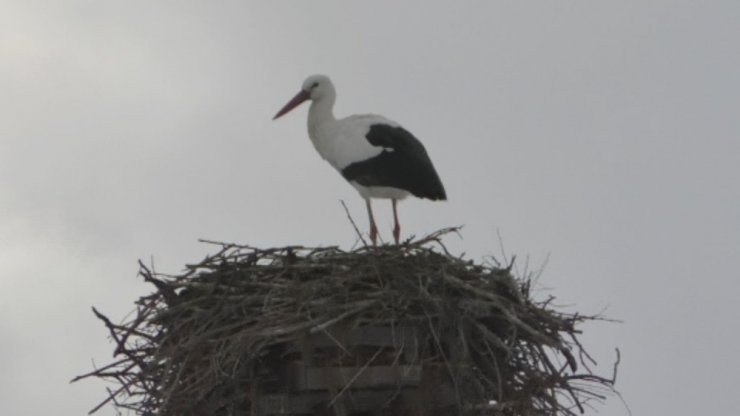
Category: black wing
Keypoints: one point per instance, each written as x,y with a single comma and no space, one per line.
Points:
403,164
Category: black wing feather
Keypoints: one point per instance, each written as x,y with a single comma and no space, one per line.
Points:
403,163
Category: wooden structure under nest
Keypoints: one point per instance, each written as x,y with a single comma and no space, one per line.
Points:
387,330
357,370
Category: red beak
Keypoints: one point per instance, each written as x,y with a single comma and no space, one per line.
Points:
295,102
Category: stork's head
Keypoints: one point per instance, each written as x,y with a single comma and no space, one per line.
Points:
315,87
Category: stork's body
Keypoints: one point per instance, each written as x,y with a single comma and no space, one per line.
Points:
376,155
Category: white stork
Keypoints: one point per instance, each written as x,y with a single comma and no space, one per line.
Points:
376,155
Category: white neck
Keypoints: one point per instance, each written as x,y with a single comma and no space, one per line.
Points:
321,110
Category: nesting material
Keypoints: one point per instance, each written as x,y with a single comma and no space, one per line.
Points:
407,329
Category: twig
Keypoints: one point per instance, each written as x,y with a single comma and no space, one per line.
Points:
352,221
357,374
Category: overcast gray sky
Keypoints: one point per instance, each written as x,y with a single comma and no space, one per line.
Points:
602,134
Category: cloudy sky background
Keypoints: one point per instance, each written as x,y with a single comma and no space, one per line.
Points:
601,134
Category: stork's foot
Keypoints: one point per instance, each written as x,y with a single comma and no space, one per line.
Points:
373,227
374,234
396,225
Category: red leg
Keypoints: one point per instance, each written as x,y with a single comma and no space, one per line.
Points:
373,227
396,226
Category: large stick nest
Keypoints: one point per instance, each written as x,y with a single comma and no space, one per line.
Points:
197,344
